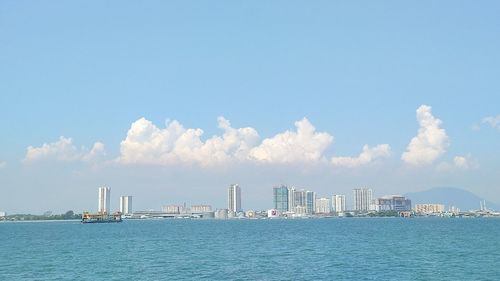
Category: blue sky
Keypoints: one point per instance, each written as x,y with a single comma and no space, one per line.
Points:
357,70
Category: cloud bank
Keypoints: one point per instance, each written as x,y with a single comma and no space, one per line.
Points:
147,144
64,150
431,141
365,157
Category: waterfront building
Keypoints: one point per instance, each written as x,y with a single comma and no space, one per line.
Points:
362,199
300,210
287,199
104,195
323,206
299,199
126,204
281,198
201,208
429,208
310,202
234,198
291,199
3,214
338,203
171,209
392,203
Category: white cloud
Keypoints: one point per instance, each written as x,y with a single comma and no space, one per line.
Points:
458,163
96,153
3,164
147,144
461,162
493,121
63,150
365,157
431,141
303,145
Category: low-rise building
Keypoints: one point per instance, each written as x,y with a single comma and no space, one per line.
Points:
171,209
392,203
429,208
201,208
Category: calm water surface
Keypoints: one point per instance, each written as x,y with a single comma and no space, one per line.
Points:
309,249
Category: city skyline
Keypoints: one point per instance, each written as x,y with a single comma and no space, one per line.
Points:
174,107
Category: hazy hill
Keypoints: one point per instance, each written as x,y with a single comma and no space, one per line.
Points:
463,199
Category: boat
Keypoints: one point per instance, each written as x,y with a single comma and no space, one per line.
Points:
101,217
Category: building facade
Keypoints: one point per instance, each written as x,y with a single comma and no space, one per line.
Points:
392,203
281,198
201,208
429,208
323,206
362,199
171,209
338,203
234,198
104,195
310,202
126,204
291,199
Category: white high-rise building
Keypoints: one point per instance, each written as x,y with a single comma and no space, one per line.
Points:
104,199
323,206
291,199
126,204
234,198
338,203
362,199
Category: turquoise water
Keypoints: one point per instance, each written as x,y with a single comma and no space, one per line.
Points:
309,249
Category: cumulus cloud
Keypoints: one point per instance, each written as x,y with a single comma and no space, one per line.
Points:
431,141
458,163
367,156
96,153
63,150
493,121
302,145
147,144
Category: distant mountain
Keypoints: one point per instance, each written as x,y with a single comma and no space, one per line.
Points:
450,196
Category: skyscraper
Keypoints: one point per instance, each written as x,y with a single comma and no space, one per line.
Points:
280,198
291,199
299,199
310,202
104,199
126,204
234,198
338,203
362,199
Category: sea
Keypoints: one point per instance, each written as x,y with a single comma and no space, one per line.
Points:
266,249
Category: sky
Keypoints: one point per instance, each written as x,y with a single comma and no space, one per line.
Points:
173,101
